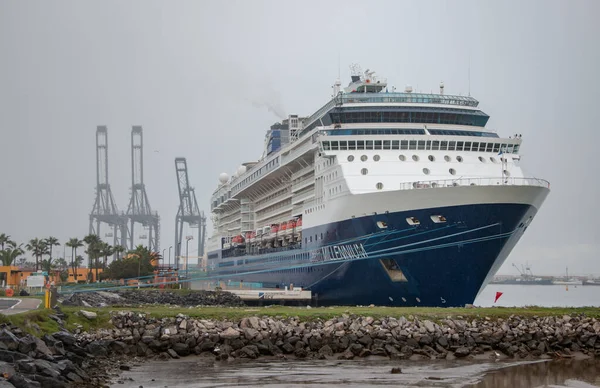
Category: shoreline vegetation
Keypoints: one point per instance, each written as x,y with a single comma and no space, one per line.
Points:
81,344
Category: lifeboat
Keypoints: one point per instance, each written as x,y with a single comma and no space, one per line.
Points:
283,228
299,225
274,228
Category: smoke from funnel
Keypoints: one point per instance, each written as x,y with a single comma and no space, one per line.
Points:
276,109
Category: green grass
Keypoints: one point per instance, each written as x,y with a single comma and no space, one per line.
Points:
325,313
38,322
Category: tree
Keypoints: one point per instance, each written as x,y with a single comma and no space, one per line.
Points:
51,242
38,248
74,243
61,264
135,263
10,255
93,251
5,239
118,249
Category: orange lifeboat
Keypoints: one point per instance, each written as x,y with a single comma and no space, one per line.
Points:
274,228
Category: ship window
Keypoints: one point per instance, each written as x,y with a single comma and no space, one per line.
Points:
490,147
475,147
413,221
343,145
326,145
496,147
360,144
459,145
378,145
310,239
364,171
395,144
467,146
482,147
415,158
334,146
421,145
506,173
412,145
364,158
438,219
435,145
379,186
431,158
404,144
428,145
446,158
459,159
387,145
350,158
516,149
369,144
481,159
376,158
426,171
402,158
452,171
451,146
443,145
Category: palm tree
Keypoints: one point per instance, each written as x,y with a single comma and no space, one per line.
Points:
118,249
38,248
93,248
10,255
74,243
51,242
5,239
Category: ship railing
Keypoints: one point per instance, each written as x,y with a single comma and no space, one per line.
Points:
499,181
301,197
273,201
303,171
295,153
303,183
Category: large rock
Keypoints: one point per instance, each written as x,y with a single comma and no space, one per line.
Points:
230,333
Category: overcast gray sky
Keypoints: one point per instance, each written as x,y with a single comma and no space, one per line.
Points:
194,74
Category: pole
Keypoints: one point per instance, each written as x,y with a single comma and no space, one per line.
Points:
139,270
170,256
163,255
187,243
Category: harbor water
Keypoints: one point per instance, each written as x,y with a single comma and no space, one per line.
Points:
199,372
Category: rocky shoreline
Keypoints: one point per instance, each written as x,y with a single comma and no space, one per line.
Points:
349,337
92,358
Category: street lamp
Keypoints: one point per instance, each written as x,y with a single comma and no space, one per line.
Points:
188,238
163,255
171,247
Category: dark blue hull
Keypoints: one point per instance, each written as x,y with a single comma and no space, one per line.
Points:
430,264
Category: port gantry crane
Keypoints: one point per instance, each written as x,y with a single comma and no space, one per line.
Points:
105,209
139,210
188,212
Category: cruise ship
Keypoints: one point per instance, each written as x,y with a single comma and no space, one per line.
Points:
379,197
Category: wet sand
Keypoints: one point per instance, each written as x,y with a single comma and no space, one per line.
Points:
198,372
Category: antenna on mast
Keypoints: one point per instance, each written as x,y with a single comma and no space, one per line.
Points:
469,76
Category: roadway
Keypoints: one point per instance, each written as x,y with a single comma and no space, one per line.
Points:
11,306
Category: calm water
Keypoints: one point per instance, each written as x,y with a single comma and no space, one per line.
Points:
199,373
548,296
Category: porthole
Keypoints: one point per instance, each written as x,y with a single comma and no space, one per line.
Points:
364,158
415,158
452,171
447,158
350,158
379,186
481,159
434,184
402,158
459,159
506,173
493,160
364,171
431,158
426,171
455,184
376,158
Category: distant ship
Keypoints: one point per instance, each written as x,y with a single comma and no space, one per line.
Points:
567,281
526,278
591,282
378,197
